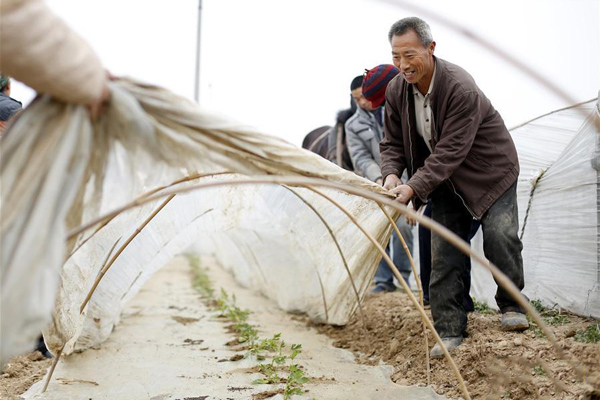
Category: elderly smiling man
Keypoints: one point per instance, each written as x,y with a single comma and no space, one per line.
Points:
441,128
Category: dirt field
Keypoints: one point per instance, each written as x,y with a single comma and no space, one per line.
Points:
20,373
494,364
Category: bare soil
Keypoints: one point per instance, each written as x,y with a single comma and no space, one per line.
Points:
20,373
493,363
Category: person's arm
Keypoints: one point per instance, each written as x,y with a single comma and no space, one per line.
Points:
40,50
360,153
460,127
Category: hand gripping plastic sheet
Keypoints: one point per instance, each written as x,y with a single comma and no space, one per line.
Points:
59,172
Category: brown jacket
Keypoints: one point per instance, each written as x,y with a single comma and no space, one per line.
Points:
473,151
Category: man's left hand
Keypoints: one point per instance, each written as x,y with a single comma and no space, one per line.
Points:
403,193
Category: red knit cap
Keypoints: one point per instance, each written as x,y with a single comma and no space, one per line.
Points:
376,81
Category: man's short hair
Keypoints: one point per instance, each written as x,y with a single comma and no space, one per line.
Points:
356,82
420,27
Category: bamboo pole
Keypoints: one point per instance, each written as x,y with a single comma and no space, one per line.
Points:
388,260
428,223
118,253
51,372
339,248
419,288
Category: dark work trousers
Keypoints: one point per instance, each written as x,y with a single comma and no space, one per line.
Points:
425,260
501,245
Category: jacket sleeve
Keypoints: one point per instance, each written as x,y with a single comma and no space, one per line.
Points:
393,159
458,133
361,155
40,50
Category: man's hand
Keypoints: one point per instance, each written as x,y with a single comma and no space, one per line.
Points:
379,181
403,193
98,106
391,181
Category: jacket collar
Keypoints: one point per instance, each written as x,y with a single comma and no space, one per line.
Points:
440,71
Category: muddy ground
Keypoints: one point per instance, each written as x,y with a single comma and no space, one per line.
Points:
494,364
20,373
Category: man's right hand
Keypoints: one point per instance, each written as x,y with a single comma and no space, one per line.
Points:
392,181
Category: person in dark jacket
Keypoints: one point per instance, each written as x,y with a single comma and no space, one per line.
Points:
8,105
337,151
444,131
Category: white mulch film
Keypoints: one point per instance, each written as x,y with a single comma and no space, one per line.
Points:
58,172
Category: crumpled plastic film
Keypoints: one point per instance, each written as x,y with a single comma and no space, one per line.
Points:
59,172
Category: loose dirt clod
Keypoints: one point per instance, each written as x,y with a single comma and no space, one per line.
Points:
184,320
20,373
266,394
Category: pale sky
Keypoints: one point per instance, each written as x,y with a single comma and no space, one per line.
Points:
285,67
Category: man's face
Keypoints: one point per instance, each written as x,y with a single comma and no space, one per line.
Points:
360,99
414,61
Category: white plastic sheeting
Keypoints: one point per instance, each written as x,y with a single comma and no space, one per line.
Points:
558,211
59,172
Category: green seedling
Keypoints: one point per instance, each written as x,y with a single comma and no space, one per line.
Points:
550,316
201,280
296,378
539,371
537,304
270,373
591,334
557,320
266,345
483,308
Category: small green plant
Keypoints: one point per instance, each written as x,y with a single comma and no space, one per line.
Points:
550,316
270,370
265,345
482,308
201,280
296,378
537,304
539,371
591,334
270,373
246,333
556,320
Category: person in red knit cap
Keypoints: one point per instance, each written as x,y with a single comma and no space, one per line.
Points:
364,131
